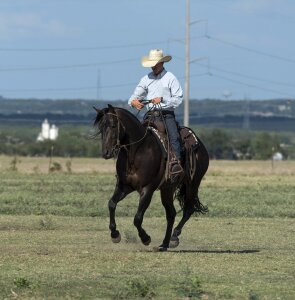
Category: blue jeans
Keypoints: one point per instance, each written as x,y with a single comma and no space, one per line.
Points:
173,134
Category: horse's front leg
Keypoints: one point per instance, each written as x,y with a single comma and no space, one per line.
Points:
119,194
144,202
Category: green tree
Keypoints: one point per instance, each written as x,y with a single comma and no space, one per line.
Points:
264,145
218,143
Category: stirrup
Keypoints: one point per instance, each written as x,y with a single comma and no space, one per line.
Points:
175,167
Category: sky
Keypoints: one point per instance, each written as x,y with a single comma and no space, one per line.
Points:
91,49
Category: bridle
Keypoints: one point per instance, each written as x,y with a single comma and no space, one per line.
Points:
117,147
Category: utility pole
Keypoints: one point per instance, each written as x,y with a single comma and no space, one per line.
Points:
187,65
188,23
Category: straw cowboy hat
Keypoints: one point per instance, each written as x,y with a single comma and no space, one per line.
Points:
155,56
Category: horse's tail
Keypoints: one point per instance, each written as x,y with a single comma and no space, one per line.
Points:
187,193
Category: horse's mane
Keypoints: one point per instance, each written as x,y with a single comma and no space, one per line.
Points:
131,115
99,117
98,121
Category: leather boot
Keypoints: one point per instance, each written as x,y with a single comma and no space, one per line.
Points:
176,167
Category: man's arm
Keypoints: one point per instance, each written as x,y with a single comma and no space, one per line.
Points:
139,93
176,94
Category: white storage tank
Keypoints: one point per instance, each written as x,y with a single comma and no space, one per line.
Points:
53,133
47,132
45,129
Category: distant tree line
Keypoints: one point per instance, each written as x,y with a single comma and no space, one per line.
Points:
72,142
223,144
79,142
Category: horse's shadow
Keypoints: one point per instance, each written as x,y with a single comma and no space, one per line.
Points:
246,251
228,251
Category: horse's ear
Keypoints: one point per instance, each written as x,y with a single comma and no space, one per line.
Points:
111,108
96,109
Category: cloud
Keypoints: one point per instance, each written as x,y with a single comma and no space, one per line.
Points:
31,25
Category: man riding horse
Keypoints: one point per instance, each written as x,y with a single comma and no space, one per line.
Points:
163,90
141,166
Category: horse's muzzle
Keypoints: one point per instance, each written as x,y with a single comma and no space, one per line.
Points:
108,154
111,153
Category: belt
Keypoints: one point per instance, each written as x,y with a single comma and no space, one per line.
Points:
158,113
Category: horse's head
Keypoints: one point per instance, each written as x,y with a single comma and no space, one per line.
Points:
108,124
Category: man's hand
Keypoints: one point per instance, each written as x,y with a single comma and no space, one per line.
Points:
136,103
156,100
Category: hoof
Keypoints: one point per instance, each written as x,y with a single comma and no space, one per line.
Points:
147,242
160,249
174,243
116,239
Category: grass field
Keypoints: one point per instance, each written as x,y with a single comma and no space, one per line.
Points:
55,243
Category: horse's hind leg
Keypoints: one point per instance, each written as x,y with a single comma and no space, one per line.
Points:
167,201
187,212
189,207
120,193
144,202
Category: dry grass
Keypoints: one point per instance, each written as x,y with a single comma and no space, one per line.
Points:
40,165
256,167
98,165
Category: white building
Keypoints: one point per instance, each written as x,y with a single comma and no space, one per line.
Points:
47,132
53,132
278,156
45,129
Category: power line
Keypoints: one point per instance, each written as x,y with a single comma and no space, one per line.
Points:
132,84
252,85
95,64
129,60
41,68
209,67
250,49
57,67
81,48
83,87
129,84
94,48
198,75
66,89
247,76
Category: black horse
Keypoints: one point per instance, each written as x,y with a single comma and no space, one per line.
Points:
141,167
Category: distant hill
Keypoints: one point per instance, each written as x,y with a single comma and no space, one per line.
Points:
274,115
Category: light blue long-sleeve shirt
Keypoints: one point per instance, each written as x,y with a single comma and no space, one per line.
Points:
164,85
